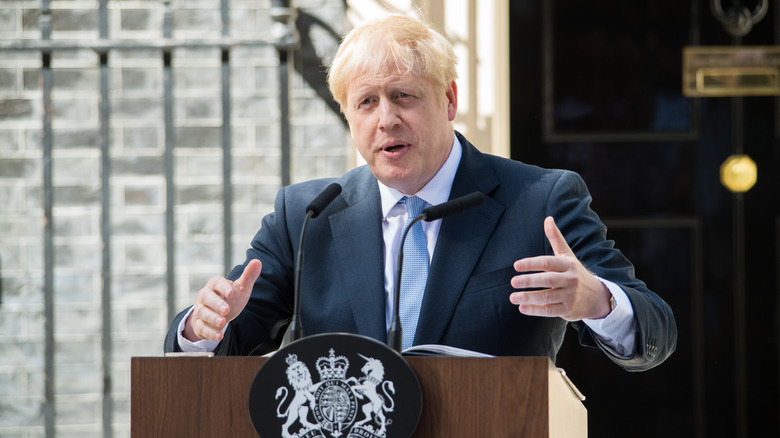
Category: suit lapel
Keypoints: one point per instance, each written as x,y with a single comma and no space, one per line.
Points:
462,238
357,232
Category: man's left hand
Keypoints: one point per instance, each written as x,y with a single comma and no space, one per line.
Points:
566,288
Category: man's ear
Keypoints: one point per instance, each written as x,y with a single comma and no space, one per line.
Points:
452,100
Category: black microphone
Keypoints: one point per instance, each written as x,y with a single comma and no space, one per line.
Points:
395,335
295,331
323,199
451,207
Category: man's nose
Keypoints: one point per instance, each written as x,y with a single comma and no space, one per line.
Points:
388,115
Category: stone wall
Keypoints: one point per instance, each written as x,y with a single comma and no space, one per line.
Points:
320,147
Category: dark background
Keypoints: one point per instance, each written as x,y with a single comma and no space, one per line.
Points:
596,87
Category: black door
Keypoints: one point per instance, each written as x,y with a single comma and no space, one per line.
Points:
597,88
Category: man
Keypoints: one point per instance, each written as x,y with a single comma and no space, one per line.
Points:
504,278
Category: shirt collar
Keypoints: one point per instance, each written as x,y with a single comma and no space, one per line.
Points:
437,190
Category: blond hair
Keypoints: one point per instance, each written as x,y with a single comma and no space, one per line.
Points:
408,43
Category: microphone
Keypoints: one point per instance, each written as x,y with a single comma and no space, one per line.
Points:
323,200
315,207
395,335
451,207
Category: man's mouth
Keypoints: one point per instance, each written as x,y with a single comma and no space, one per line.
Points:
394,148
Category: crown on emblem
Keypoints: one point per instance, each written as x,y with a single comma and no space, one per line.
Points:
332,367
291,359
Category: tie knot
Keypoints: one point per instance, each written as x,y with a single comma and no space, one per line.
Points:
414,205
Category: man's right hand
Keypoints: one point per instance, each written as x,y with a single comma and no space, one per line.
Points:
219,302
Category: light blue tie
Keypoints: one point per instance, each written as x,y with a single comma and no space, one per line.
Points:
414,272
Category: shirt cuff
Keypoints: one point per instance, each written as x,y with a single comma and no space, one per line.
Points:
617,330
202,346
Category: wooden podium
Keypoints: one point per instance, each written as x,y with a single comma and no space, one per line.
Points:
462,397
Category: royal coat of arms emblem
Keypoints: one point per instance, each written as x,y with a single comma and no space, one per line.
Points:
346,401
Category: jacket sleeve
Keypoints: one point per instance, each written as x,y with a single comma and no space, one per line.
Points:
260,327
656,330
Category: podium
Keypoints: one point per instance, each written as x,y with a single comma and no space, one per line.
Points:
525,397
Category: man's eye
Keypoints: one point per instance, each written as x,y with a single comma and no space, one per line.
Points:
402,95
365,101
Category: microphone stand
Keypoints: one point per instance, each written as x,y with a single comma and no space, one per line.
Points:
295,330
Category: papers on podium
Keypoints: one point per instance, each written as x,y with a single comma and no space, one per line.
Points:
442,351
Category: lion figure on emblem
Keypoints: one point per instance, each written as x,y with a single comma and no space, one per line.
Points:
298,410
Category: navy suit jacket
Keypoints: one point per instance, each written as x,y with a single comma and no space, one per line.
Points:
466,302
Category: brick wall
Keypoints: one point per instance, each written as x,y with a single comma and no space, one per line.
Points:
138,188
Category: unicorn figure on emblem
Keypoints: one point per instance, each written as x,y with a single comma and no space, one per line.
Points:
374,375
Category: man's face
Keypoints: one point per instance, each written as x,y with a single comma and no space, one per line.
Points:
401,126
